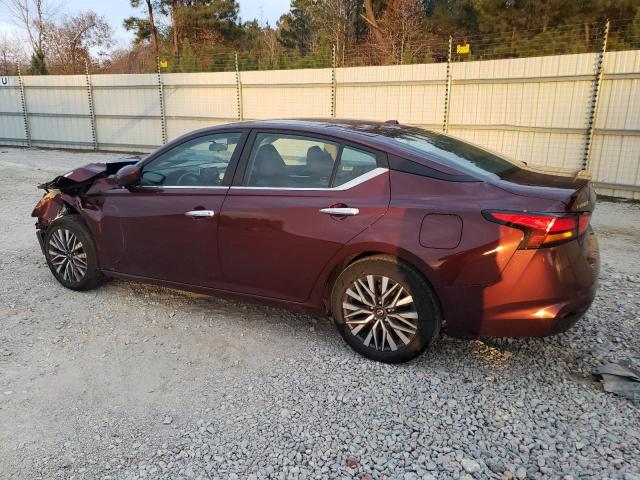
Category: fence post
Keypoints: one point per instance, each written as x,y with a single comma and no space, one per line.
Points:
92,111
25,115
447,91
334,85
163,115
593,100
238,89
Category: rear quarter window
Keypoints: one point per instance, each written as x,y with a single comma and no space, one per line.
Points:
452,152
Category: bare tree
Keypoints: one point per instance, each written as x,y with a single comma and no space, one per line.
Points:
137,59
5,53
71,41
11,53
399,35
32,16
336,20
270,43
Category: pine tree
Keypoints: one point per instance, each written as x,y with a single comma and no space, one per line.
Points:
188,60
38,65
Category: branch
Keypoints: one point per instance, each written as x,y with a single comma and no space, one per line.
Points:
19,10
370,15
371,20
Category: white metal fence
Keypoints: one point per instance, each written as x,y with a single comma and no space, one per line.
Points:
539,110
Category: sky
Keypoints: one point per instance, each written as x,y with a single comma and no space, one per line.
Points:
116,11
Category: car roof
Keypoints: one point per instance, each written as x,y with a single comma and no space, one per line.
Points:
360,131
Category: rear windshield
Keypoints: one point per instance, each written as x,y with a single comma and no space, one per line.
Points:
449,151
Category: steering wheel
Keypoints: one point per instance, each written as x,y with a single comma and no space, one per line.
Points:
188,179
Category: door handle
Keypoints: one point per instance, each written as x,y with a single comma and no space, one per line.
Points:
200,213
341,211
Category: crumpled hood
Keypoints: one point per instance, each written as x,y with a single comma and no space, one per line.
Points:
83,176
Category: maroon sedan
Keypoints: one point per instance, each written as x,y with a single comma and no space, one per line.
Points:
394,231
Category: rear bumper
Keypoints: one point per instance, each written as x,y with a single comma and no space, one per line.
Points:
541,320
540,292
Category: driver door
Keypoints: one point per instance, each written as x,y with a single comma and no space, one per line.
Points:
168,224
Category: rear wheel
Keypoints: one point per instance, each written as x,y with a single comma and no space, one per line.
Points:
71,254
385,310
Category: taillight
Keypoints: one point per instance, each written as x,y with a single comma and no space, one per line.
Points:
583,223
541,229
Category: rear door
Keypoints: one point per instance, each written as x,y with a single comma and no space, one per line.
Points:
296,200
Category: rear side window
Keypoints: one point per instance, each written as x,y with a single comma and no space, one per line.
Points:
290,161
353,163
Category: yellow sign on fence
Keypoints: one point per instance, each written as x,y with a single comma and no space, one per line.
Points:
164,64
463,49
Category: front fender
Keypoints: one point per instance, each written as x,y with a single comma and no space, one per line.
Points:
49,207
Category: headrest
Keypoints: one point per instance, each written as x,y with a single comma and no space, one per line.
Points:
268,161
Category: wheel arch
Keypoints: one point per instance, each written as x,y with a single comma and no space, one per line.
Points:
71,205
69,208
351,255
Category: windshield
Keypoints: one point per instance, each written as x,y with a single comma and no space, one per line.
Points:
450,151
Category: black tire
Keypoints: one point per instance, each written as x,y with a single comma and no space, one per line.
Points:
71,254
424,303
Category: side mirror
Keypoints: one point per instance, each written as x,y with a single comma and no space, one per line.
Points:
128,175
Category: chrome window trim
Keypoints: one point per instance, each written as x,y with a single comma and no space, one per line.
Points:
345,186
178,187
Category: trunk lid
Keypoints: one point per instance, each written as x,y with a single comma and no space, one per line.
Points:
574,190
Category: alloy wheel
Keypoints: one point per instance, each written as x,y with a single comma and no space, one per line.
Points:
67,255
380,312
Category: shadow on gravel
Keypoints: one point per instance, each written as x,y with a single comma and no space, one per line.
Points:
193,308
523,356
569,357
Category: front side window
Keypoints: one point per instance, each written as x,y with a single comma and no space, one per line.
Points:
201,162
290,161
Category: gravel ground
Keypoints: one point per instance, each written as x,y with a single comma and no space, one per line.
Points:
133,381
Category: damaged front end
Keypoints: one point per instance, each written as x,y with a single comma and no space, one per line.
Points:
66,193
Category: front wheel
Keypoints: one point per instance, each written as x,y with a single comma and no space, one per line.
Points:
385,310
71,254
